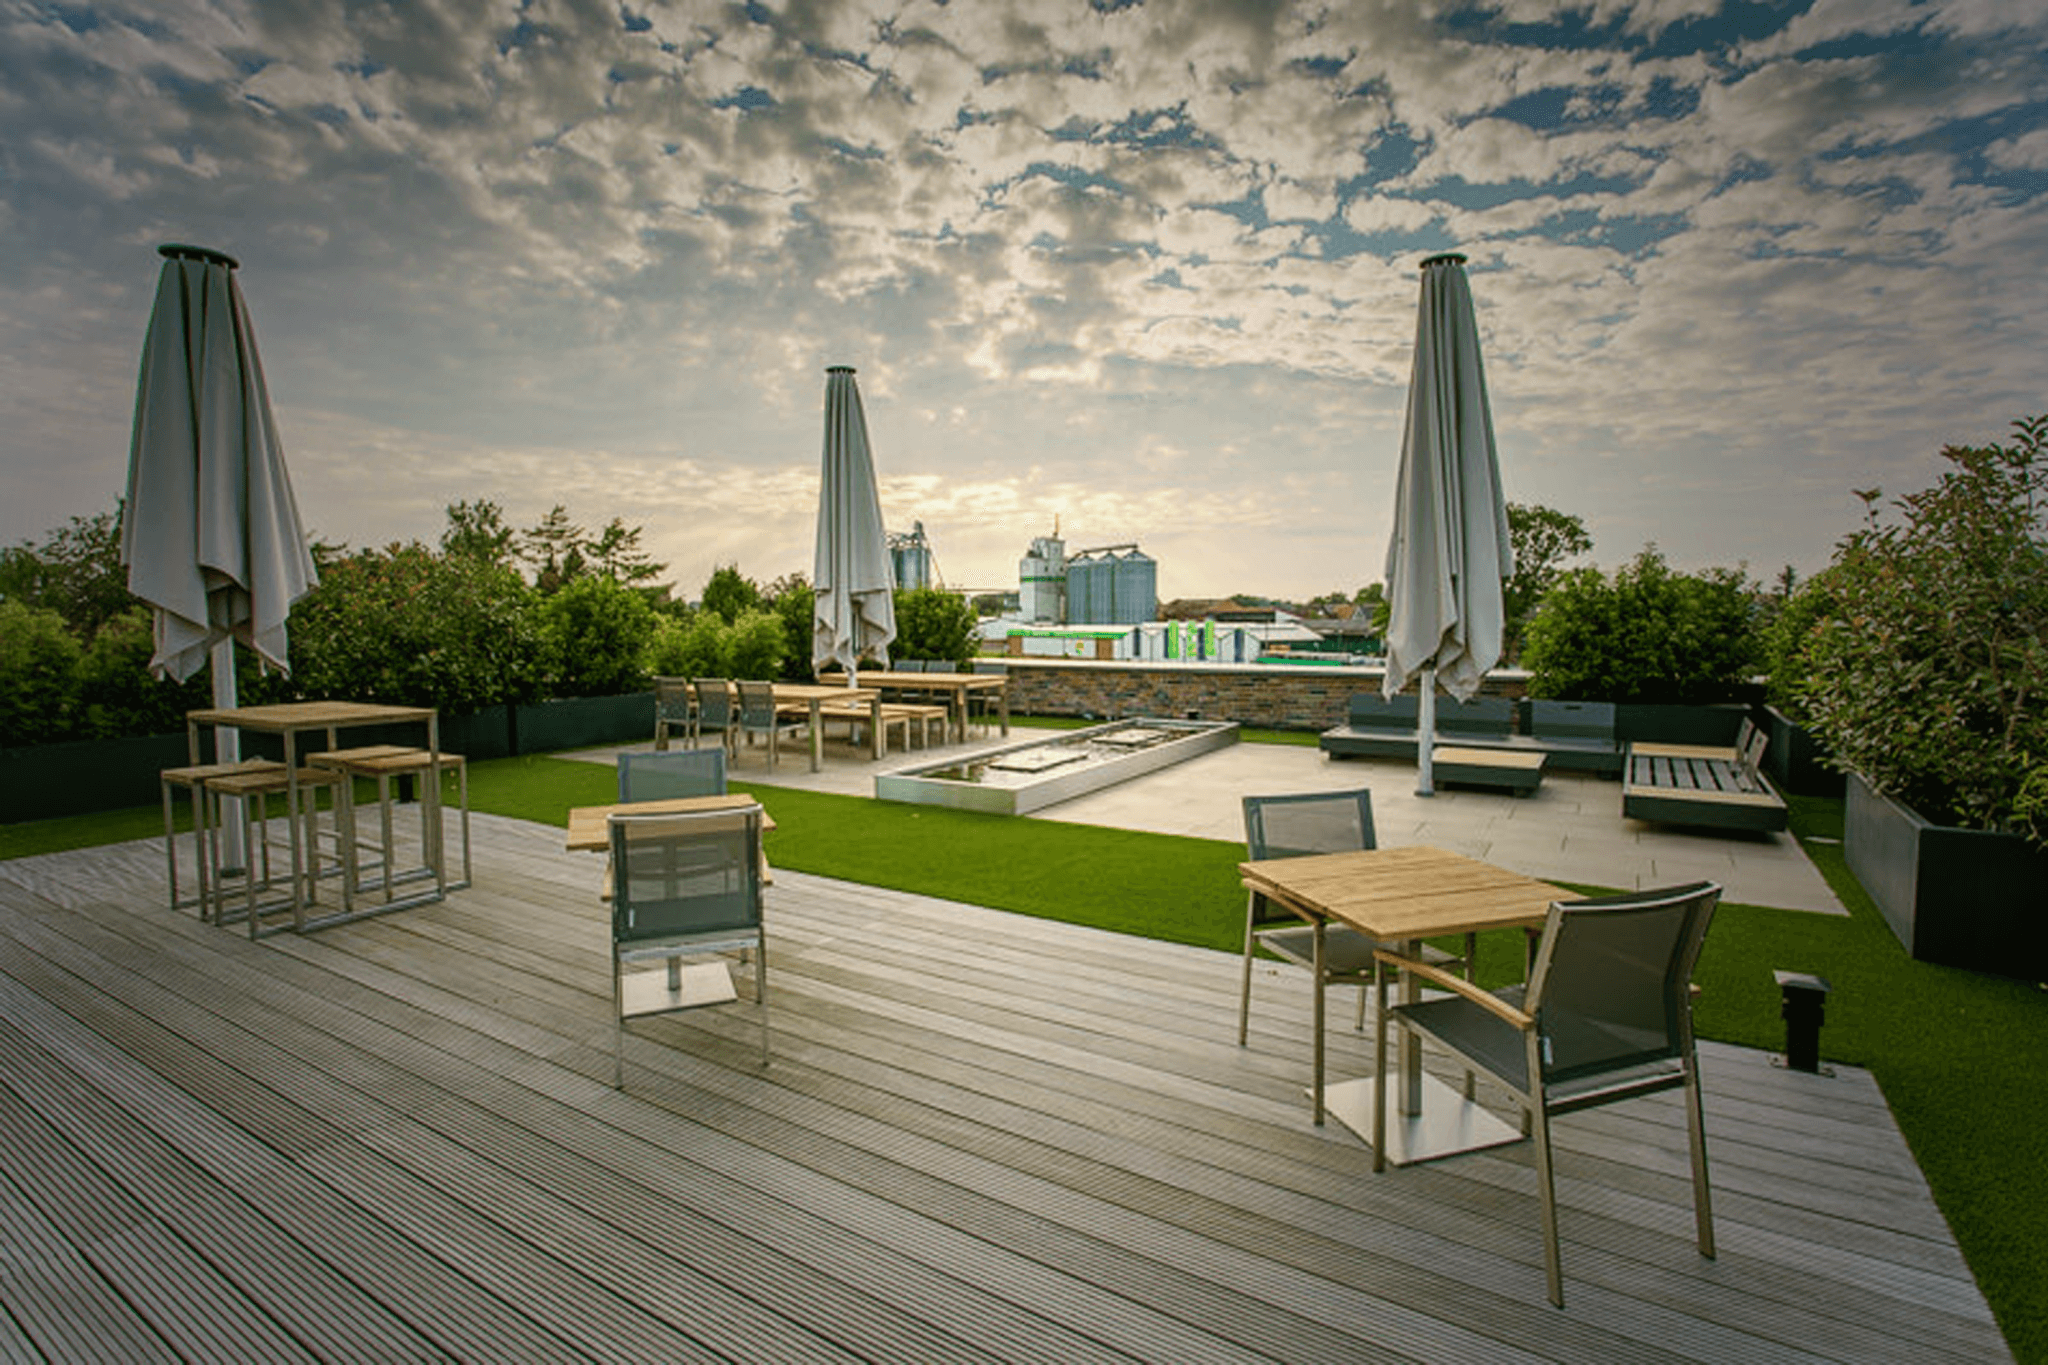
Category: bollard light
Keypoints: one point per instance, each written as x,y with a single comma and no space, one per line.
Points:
1803,998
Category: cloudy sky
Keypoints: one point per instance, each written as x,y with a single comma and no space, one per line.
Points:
1148,266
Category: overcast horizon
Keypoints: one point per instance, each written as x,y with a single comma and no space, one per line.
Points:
1149,268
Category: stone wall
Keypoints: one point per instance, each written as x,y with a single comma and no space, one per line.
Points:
1264,696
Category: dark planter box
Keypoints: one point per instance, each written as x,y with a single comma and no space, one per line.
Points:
580,722
1649,723
1795,760
43,781
1957,897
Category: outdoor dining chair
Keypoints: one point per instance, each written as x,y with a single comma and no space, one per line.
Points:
675,708
759,714
684,772
1291,826
684,886
715,715
1606,1015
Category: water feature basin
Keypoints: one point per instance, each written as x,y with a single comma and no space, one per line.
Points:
1059,766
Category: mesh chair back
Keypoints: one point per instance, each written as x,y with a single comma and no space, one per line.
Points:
714,703
941,666
685,874
685,772
1307,822
1609,988
757,705
672,699
907,666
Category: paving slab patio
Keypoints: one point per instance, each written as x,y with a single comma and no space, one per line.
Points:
1569,829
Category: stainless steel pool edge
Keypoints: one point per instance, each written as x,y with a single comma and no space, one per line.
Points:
916,787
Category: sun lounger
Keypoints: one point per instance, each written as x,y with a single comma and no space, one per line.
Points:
1695,784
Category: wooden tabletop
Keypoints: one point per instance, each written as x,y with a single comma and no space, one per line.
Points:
589,830
969,681
307,715
822,692
1403,893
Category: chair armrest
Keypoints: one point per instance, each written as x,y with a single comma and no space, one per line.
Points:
1486,1000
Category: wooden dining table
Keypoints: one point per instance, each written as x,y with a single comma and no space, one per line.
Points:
1402,896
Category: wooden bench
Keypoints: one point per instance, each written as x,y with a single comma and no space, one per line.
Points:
1693,784
895,716
1512,770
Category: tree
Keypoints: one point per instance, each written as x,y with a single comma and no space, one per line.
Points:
1647,635
792,600
1927,669
755,648
616,554
407,626
39,661
76,572
553,549
598,630
728,594
932,623
1542,539
477,530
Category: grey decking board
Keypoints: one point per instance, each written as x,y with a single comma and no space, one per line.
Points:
1042,1046
421,1291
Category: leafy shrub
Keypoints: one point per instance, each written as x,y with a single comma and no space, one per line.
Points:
39,661
706,647
117,694
597,631
1649,634
729,594
756,646
667,652
406,626
1928,673
795,602
933,624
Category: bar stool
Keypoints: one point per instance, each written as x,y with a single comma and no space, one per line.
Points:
254,789
190,779
383,762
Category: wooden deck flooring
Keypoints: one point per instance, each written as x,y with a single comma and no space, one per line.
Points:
982,1138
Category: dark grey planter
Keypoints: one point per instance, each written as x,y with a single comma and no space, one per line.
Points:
44,781
1795,760
581,722
1956,897
1654,723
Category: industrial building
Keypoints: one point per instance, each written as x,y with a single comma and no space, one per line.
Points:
910,556
1106,585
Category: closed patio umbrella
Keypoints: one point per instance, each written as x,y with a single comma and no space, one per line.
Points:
855,613
210,535
1449,551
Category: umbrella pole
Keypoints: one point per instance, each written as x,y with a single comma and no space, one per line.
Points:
227,748
1425,736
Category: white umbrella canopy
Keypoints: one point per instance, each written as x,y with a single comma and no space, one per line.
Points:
1449,552
855,612
211,533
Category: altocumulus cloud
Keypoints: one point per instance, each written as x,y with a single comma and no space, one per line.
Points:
1146,265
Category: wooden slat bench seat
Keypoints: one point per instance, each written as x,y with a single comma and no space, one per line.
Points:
1511,770
1689,784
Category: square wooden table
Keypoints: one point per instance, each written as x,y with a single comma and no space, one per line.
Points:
1402,896
289,720
590,826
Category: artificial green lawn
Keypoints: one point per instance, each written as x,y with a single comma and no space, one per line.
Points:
1958,1054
